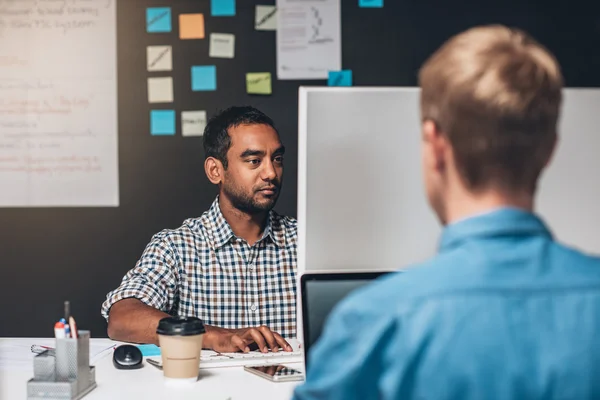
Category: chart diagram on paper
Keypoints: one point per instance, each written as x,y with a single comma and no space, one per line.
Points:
58,103
308,38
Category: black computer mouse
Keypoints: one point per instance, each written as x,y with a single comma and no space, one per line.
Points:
127,356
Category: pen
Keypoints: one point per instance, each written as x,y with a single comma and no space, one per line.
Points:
38,349
67,311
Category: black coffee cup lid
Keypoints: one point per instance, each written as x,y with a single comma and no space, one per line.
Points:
174,326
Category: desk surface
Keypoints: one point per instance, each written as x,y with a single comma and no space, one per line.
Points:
147,382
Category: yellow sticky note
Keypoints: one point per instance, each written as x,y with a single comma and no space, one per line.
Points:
258,83
191,26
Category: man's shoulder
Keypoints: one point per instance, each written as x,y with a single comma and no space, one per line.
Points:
561,250
290,223
399,288
460,271
572,264
287,224
190,229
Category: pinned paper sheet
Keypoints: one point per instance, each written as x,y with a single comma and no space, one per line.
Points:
309,38
204,77
222,8
222,45
340,78
162,122
159,58
193,123
160,90
191,26
266,18
158,19
258,83
370,3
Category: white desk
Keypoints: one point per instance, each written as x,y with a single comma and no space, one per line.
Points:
145,383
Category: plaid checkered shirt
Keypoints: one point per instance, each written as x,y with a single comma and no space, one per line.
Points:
202,269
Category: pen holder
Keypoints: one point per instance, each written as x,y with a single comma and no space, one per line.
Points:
67,375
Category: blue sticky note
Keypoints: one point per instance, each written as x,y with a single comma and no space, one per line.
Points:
370,3
222,8
204,77
162,122
158,19
340,78
149,350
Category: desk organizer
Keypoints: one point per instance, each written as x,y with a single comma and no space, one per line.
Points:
67,375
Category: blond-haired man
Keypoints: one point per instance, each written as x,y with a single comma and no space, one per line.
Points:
503,311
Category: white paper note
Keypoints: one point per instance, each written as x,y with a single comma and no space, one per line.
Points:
266,18
16,354
160,90
222,45
193,123
58,104
308,38
159,58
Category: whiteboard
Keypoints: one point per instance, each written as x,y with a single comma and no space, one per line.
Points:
58,103
361,199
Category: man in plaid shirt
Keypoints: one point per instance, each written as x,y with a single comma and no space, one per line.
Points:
235,266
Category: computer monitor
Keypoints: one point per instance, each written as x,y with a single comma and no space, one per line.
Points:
361,196
320,293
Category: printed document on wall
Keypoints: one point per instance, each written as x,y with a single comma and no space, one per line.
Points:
58,103
309,40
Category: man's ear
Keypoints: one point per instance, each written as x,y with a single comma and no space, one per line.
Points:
436,144
214,170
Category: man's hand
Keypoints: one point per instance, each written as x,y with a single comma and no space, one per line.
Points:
234,340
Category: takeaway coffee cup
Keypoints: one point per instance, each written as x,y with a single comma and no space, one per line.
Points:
180,341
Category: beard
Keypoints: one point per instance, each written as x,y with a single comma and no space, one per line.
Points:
248,202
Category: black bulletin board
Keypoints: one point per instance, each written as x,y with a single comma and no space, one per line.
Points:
52,254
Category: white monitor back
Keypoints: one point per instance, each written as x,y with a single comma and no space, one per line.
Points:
361,201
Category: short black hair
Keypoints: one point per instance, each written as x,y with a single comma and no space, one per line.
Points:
216,139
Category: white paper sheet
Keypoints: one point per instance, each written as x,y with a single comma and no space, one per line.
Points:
17,354
58,103
309,43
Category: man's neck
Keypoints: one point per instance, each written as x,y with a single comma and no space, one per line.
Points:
463,204
249,227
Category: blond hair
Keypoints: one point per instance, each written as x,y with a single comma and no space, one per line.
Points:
496,93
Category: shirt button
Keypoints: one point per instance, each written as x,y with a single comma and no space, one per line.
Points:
253,307
251,266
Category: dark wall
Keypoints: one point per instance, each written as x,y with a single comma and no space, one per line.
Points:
49,255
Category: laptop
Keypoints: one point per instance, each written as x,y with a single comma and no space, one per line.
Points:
320,293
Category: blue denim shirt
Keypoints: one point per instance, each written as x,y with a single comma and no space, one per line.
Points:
502,312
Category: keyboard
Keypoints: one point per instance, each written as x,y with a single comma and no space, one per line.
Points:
211,359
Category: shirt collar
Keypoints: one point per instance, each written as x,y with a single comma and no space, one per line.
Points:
275,229
221,232
504,221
